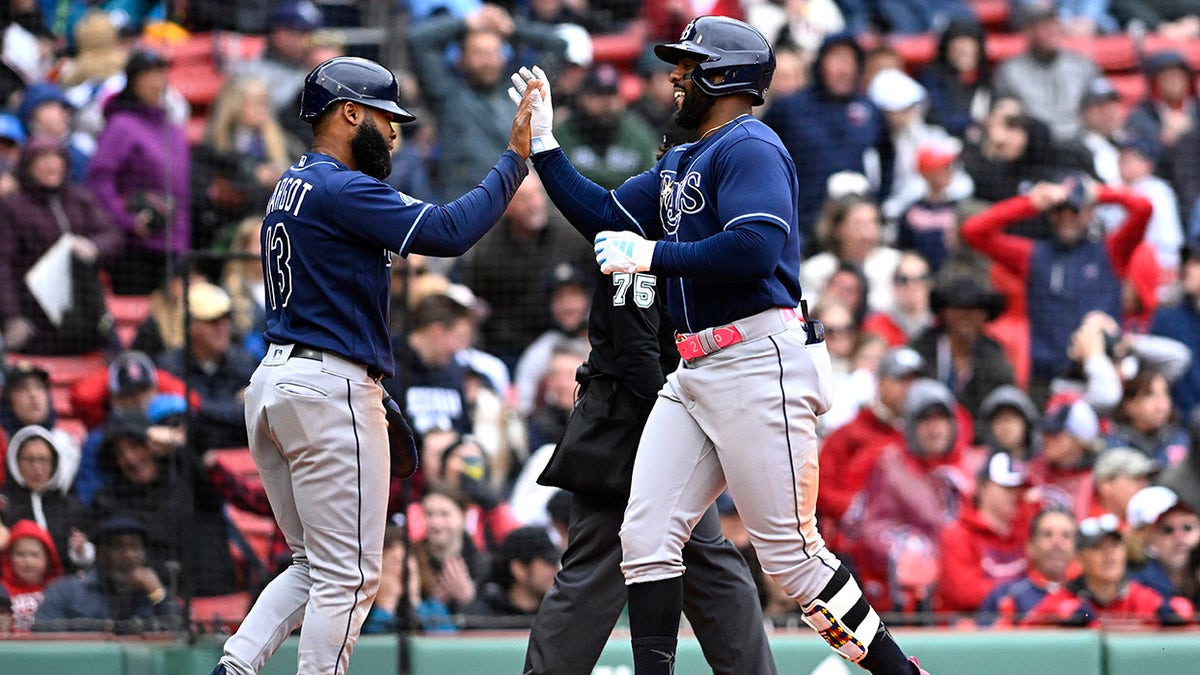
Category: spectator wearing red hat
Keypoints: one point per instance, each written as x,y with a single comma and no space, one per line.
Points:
1103,593
930,224
903,102
985,545
1170,531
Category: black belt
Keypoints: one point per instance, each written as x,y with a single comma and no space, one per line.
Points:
309,353
302,352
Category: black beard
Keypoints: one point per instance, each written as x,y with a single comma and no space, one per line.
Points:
696,105
370,151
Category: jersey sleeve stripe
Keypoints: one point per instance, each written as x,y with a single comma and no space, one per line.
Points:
759,216
628,216
413,230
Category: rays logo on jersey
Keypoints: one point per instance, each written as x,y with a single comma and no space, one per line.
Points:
677,197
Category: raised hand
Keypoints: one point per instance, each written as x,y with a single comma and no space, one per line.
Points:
542,120
519,138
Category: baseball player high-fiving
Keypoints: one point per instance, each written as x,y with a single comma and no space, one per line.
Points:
717,219
314,408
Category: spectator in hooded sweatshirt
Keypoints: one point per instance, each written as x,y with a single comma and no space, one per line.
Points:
26,400
985,545
45,208
912,492
37,490
959,78
1051,555
27,565
140,175
1170,108
851,451
1008,422
1062,472
829,127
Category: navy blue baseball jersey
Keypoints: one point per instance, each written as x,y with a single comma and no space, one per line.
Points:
677,202
329,235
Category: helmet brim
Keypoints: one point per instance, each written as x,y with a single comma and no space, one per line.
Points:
672,53
399,115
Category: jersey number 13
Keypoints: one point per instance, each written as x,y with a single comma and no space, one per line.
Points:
278,251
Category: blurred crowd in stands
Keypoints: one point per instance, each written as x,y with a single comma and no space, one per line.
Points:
1001,214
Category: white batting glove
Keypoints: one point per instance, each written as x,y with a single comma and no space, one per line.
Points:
541,123
623,252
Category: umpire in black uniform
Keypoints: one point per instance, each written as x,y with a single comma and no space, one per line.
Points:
633,348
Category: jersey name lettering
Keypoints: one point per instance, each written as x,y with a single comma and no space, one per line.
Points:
289,195
677,197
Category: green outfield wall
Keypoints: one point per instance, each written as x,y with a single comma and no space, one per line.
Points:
1051,652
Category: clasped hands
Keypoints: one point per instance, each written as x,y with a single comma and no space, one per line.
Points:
615,251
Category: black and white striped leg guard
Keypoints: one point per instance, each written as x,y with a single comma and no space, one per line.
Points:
843,617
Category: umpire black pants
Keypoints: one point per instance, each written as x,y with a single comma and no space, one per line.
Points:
576,617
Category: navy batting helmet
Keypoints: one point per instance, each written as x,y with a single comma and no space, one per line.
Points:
734,58
349,78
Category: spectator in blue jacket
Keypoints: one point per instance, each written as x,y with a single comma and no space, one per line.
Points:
1182,322
121,594
1051,550
829,126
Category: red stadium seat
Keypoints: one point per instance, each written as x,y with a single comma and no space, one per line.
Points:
76,428
258,530
128,312
915,50
64,370
220,613
1003,46
993,14
198,82
620,49
1131,87
1111,53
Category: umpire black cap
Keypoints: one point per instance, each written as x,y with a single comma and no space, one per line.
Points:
350,78
734,58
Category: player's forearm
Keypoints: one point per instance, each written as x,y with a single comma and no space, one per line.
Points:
743,253
450,230
587,206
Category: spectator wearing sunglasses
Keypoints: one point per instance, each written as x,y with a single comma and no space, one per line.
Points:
1169,530
911,314
1103,593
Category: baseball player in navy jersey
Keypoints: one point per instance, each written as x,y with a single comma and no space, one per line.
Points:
314,409
717,219
632,350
